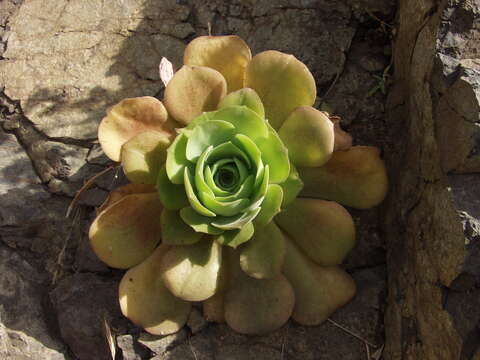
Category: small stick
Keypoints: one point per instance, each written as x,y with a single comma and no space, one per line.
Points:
86,186
351,333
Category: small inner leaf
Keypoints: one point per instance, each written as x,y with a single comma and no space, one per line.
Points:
245,143
208,133
235,222
192,197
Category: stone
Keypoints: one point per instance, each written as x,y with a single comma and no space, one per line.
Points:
82,302
25,331
131,350
160,344
196,322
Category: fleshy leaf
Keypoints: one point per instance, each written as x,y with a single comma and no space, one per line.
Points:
213,309
226,151
176,159
235,222
125,233
319,291
209,133
282,82
193,90
254,154
199,223
270,206
146,301
227,54
245,120
233,238
229,208
343,140
192,197
175,231
143,155
171,195
324,230
121,192
192,272
244,97
262,257
356,177
291,187
255,306
308,134
275,154
131,117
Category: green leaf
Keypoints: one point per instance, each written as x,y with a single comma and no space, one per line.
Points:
233,238
198,222
212,132
171,195
244,191
235,222
245,120
192,197
262,257
291,187
261,190
245,143
229,208
225,151
247,97
275,154
175,231
211,183
270,206
176,159
200,183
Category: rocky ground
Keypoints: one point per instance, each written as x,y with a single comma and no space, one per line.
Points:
63,62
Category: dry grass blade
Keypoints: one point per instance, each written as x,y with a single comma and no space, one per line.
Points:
107,332
86,186
377,354
350,332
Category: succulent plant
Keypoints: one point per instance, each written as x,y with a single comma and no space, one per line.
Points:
216,211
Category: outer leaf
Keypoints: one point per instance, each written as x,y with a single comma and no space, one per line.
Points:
323,229
275,154
291,187
270,206
244,97
262,257
123,191
175,231
319,291
192,272
145,300
356,177
233,238
193,90
282,82
257,306
143,155
131,117
308,134
227,54
171,195
125,233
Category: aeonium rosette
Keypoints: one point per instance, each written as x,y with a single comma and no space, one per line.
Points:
233,202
